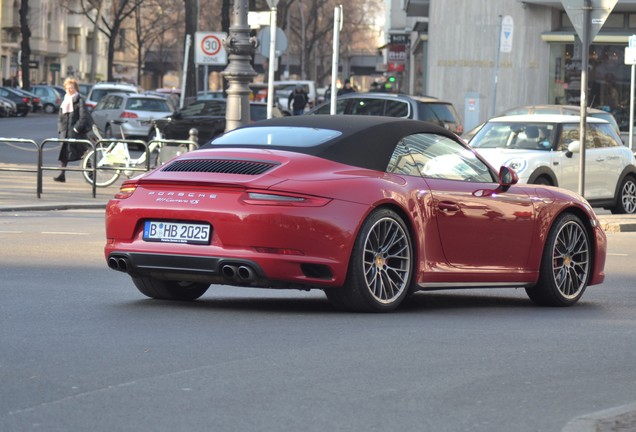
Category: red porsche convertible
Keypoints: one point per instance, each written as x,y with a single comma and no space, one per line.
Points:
368,209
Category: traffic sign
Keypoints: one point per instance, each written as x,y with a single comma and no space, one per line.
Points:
599,13
209,48
507,28
263,37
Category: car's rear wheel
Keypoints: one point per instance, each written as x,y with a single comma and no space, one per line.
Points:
169,290
380,268
626,201
565,265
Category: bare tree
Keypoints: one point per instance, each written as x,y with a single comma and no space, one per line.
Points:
109,22
153,20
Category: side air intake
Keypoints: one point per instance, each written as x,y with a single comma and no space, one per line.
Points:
242,167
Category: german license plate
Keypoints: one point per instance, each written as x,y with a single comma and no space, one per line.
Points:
176,232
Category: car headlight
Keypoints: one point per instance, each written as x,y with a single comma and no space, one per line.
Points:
517,164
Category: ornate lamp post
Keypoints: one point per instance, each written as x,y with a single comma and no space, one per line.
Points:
239,72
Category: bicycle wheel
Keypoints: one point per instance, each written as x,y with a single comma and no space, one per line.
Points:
106,175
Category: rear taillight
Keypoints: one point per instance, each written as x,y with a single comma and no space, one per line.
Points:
287,200
125,191
36,100
26,100
128,114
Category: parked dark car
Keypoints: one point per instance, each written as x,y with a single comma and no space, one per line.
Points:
36,102
208,117
23,102
426,108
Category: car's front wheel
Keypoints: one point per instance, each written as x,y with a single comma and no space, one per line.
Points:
565,264
626,200
380,268
169,290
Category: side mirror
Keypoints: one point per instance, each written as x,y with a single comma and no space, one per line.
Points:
507,178
573,147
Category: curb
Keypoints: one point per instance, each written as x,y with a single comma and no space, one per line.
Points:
44,207
619,419
618,226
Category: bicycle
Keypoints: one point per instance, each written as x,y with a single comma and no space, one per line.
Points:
114,159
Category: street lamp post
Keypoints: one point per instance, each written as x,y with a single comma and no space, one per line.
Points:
239,72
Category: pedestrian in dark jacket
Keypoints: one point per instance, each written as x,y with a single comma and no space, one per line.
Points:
297,100
72,122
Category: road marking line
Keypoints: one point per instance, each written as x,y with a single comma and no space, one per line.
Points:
617,254
64,233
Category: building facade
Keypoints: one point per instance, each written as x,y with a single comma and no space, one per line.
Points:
454,49
61,44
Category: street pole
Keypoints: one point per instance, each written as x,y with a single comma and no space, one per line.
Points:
184,78
585,54
337,25
239,72
631,110
272,57
496,77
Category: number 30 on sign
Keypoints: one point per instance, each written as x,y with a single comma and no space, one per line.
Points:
209,49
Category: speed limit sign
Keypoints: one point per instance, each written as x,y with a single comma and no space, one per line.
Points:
209,49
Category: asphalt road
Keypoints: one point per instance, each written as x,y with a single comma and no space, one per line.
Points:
81,349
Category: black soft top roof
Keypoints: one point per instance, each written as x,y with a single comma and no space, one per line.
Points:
364,141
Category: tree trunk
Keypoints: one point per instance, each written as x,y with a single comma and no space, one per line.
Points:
95,42
26,45
191,19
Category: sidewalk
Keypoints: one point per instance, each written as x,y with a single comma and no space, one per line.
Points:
19,193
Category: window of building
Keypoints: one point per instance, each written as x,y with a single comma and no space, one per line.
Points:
73,39
121,40
89,43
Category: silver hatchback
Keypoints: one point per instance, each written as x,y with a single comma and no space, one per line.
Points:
130,114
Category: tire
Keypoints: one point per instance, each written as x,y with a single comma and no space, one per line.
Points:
169,290
626,201
542,180
49,108
108,131
565,265
380,268
106,176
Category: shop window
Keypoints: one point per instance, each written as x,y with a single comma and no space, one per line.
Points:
608,78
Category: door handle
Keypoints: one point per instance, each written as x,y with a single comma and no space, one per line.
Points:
447,206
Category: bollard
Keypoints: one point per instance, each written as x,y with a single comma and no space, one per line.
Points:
194,137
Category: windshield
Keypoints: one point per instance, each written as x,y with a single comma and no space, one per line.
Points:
515,135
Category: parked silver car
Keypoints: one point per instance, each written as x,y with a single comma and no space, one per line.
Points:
8,108
49,96
130,113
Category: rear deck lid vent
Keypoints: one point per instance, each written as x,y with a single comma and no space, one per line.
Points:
220,166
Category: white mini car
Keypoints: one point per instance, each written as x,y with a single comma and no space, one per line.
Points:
545,149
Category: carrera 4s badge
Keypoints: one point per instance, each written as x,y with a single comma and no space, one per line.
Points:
181,197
